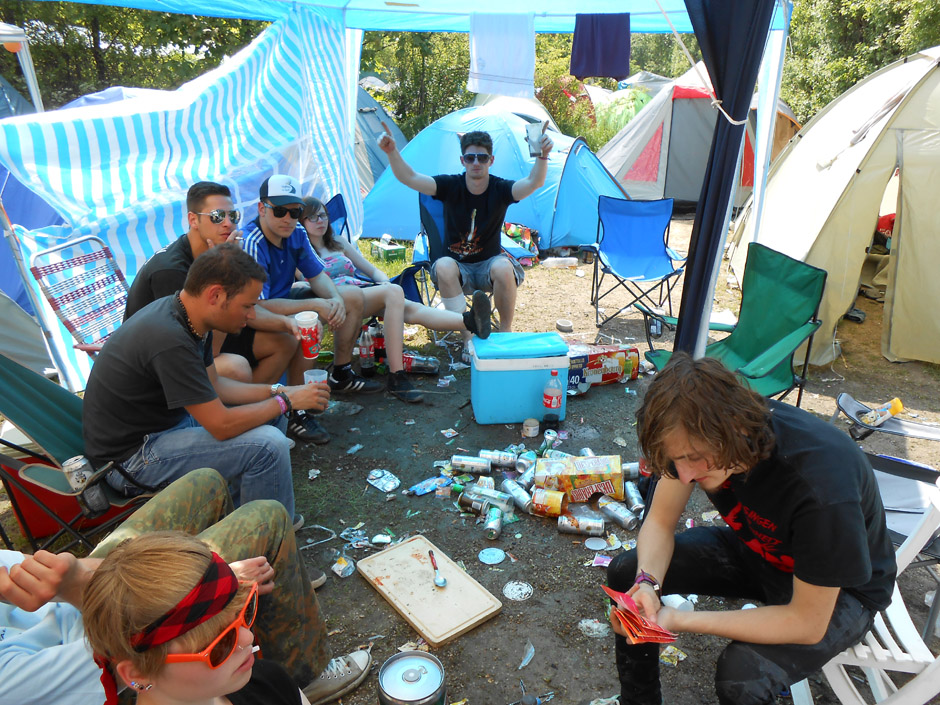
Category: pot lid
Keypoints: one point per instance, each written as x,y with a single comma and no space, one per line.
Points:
411,677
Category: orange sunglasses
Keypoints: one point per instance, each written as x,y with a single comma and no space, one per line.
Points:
223,646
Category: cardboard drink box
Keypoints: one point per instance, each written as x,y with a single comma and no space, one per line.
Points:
581,478
590,365
388,252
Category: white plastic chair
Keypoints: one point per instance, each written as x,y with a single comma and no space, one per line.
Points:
894,643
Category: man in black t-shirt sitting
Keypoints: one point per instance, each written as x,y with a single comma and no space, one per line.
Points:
805,535
475,206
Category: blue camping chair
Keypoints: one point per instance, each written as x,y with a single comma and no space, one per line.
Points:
633,248
339,218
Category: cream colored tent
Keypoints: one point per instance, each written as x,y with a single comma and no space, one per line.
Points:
824,193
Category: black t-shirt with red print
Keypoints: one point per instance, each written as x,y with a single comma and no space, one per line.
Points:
813,509
473,222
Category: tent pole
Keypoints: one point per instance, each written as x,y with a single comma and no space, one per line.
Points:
29,73
14,244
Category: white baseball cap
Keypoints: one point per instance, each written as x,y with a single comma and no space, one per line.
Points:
281,190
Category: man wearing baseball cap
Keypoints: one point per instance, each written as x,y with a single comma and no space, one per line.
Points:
280,245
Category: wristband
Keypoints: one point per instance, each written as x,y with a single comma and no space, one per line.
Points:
284,401
543,158
644,577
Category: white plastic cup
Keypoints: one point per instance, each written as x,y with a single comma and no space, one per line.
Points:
309,333
315,376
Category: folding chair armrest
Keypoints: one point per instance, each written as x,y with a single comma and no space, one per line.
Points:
422,249
764,363
675,255
649,313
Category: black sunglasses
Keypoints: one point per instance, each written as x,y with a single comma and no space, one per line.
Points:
217,216
281,211
471,157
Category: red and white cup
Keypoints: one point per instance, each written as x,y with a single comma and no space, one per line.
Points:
307,322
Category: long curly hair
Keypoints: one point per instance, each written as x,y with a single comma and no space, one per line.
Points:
712,406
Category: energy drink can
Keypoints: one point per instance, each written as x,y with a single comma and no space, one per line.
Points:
587,526
487,482
526,460
556,454
500,458
634,499
587,453
616,512
631,471
493,526
548,441
472,464
522,499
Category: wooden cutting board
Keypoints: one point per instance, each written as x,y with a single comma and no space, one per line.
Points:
403,575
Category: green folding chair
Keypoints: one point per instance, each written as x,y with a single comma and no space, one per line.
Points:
780,299
51,417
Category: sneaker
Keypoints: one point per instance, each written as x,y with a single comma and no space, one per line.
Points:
317,577
305,428
478,319
342,675
354,383
298,522
400,386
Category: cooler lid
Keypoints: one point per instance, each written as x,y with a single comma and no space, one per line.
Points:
503,346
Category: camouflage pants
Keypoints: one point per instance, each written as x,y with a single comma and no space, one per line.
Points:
288,627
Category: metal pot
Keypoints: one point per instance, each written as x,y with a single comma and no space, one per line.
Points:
412,678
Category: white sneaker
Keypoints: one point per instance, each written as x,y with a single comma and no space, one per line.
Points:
342,674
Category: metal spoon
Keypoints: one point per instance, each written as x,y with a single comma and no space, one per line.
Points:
439,580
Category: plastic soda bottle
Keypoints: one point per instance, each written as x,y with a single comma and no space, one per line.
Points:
377,332
551,395
366,354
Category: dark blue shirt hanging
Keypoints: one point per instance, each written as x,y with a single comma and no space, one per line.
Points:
601,46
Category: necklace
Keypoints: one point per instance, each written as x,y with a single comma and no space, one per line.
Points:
189,323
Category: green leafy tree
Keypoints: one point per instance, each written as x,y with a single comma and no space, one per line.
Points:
78,49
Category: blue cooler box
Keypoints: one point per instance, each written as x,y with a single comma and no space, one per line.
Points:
508,373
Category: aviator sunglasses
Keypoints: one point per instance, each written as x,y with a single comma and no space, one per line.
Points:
217,217
471,157
223,646
281,211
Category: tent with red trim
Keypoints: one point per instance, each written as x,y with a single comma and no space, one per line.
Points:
663,151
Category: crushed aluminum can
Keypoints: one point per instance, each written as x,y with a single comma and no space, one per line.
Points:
587,453
381,540
526,461
493,526
590,526
487,482
522,499
383,480
556,454
618,513
471,463
548,441
634,499
500,458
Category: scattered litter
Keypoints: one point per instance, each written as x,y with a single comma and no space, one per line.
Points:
410,422
619,440
512,558
601,560
461,702
689,523
427,486
613,542
563,435
355,449
443,492
419,645
671,655
710,516
593,628
310,543
613,700
342,408
492,556
355,429
631,392
391,497
381,540
448,432
410,331
629,544
383,480
579,273
462,566
374,637
595,543
517,590
344,567
527,655
457,366
335,632
564,325
313,474
412,513
444,381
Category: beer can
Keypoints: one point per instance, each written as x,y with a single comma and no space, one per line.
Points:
472,464
548,441
556,454
522,499
493,526
616,512
77,471
631,471
494,497
634,499
587,526
587,453
92,499
526,460
548,503
487,482
472,504
500,458
526,479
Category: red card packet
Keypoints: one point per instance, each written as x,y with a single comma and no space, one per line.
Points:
639,629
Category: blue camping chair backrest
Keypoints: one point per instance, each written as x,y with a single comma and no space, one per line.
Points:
432,223
339,219
632,241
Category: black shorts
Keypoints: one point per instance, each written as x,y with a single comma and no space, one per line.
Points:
242,344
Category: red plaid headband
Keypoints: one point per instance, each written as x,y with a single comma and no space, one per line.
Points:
210,596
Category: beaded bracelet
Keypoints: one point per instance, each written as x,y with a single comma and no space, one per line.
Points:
284,401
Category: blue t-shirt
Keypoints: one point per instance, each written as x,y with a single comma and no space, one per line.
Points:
281,262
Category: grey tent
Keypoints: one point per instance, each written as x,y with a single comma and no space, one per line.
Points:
370,160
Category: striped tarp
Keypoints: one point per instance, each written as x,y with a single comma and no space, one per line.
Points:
121,171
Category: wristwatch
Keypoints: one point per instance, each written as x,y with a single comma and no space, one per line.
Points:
275,388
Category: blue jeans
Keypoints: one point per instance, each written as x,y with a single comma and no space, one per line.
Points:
256,463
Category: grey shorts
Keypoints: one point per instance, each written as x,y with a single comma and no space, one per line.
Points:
476,275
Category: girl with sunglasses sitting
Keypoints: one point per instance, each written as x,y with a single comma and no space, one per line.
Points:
173,622
346,265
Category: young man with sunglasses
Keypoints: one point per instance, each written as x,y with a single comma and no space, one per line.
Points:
475,204
43,648
268,345
279,244
803,533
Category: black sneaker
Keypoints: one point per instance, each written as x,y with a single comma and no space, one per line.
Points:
400,386
305,428
478,319
354,383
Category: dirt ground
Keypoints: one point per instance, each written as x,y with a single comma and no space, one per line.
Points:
482,665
